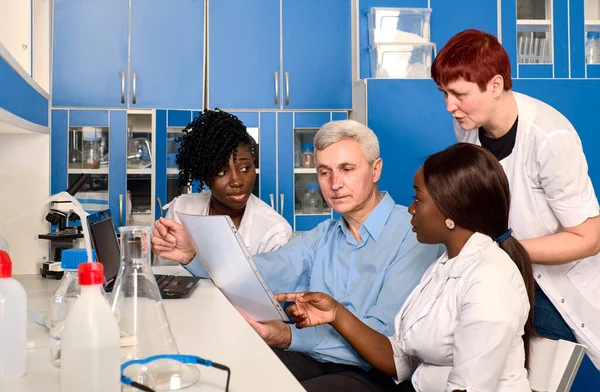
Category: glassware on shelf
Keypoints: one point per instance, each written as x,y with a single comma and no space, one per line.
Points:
91,151
75,156
592,48
139,155
308,156
312,203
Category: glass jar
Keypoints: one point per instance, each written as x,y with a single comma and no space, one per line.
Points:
308,156
92,153
312,203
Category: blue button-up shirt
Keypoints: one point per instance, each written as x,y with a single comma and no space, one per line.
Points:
372,277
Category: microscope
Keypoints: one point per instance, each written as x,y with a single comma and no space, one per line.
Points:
63,236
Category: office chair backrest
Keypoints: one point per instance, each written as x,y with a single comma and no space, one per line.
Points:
553,364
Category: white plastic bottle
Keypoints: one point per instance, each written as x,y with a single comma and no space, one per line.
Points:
90,339
64,296
13,323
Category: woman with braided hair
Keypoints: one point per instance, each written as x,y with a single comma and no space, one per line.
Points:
218,152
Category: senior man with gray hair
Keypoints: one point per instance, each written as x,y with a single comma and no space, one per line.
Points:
369,260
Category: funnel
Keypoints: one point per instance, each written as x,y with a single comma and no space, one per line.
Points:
139,309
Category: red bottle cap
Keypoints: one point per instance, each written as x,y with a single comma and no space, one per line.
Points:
5,265
90,273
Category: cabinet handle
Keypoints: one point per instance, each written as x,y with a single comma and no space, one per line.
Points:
281,196
121,209
276,88
134,98
272,196
287,88
123,86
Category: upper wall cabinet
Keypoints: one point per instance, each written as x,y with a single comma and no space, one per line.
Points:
280,54
89,53
164,42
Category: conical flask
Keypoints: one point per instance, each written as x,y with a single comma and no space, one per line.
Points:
138,306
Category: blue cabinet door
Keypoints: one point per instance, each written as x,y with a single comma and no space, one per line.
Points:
167,52
410,120
90,53
317,54
244,61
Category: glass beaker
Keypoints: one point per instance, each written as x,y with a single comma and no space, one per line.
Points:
143,322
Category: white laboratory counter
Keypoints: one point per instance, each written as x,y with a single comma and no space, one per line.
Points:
204,324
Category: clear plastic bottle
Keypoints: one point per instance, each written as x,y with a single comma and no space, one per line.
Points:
4,245
312,203
92,153
90,342
592,48
13,323
64,296
308,155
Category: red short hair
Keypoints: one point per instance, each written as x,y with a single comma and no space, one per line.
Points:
474,56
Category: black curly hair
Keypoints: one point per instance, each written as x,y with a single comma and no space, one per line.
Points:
206,145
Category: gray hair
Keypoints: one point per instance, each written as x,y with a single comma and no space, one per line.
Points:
335,131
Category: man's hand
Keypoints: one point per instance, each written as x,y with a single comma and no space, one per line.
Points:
170,240
274,333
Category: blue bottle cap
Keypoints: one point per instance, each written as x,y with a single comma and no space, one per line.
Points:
312,186
308,146
71,258
593,34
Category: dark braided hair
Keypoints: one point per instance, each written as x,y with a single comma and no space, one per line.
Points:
206,145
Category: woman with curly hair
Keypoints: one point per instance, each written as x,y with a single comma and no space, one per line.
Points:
218,152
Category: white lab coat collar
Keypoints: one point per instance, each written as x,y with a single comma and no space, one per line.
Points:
443,270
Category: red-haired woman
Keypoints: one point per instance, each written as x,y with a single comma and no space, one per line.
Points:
554,210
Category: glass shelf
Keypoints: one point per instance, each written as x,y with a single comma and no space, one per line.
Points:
534,32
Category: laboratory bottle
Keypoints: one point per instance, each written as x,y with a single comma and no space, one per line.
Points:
13,323
90,341
592,48
312,203
92,153
64,296
308,156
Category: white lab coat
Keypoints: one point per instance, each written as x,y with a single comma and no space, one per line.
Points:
262,229
462,326
551,189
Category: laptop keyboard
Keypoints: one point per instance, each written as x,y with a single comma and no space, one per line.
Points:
163,280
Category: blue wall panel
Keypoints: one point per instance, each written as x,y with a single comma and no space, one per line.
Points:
535,71
577,47
268,157
117,177
88,118
409,117
508,10
561,39
160,161
249,119
449,18
179,118
285,161
311,119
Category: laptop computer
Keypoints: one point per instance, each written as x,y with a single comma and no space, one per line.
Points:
226,258
104,240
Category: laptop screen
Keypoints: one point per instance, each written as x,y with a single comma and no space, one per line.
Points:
104,240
